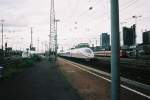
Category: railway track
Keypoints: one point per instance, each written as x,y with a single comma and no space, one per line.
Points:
129,85
140,74
134,62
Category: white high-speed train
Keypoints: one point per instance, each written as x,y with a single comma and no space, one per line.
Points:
81,53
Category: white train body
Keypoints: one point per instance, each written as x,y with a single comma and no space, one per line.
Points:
82,53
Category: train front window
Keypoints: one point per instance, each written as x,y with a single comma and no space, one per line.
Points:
88,51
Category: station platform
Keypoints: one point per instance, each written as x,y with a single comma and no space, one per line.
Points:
93,84
43,81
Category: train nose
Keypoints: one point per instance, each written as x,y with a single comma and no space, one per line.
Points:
91,55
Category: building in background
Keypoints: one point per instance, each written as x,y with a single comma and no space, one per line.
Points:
146,37
105,41
141,50
81,45
145,46
129,36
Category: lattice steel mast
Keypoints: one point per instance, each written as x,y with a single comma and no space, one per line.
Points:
52,40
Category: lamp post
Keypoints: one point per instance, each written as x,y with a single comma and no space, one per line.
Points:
56,45
21,44
2,38
2,32
136,17
49,51
38,45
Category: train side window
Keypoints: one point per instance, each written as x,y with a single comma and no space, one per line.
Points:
68,53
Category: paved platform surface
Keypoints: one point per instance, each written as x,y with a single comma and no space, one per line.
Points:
93,86
42,82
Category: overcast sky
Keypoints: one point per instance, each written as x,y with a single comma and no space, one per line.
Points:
77,23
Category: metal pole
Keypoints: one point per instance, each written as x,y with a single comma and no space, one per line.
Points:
56,42
38,45
42,47
45,47
49,54
56,46
31,39
115,49
2,38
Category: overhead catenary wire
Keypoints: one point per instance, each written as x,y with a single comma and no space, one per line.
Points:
123,8
104,16
129,4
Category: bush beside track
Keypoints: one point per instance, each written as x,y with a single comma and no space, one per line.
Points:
13,67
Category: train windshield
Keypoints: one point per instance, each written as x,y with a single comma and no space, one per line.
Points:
88,50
